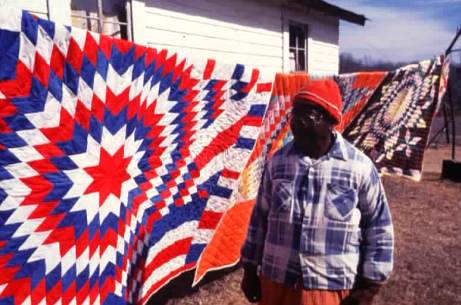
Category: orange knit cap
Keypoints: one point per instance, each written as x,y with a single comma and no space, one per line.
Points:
324,93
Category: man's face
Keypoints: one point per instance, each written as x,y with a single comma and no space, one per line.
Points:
309,121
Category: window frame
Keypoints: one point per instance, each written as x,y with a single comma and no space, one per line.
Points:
100,19
305,30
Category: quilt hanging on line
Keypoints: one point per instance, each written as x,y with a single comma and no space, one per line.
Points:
386,114
117,161
121,166
393,126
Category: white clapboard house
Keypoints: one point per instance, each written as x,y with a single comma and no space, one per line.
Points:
281,35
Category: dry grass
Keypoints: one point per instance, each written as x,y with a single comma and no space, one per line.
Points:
428,243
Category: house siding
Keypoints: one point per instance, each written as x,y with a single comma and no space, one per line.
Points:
236,31
250,32
247,32
38,7
56,10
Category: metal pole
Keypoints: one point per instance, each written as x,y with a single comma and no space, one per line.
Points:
443,129
453,126
100,15
129,18
435,137
97,18
448,51
48,15
445,119
450,100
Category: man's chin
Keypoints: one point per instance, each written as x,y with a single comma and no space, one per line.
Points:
304,139
305,135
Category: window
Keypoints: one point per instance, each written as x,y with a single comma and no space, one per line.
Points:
110,17
298,47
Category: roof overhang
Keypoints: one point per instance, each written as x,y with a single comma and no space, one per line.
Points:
331,9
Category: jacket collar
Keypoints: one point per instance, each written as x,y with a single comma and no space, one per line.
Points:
339,149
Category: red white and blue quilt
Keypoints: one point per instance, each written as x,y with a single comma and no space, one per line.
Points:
117,161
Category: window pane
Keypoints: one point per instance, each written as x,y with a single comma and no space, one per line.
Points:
301,38
292,61
114,11
85,15
297,60
293,34
301,56
85,5
84,20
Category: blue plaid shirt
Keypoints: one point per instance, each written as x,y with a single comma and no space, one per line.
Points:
321,222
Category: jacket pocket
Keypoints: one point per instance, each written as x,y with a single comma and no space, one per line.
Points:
282,195
340,202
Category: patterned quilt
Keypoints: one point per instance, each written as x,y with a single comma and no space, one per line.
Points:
393,126
117,161
376,105
123,166
274,133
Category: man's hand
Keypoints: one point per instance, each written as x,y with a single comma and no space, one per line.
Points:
363,293
250,284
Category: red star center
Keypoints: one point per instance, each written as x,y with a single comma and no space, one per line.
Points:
108,175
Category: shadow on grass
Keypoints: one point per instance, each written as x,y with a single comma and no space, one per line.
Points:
180,287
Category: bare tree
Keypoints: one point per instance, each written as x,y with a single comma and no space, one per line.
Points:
348,63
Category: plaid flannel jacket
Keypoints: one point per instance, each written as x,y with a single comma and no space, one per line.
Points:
321,222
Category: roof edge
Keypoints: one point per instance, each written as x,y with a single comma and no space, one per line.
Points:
334,10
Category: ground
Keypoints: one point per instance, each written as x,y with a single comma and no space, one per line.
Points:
427,248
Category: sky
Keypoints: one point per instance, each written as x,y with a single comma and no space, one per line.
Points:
400,30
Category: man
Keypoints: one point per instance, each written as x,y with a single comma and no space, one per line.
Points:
321,231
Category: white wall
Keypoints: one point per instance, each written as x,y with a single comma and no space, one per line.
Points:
56,10
251,32
244,31
37,7
60,11
235,31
